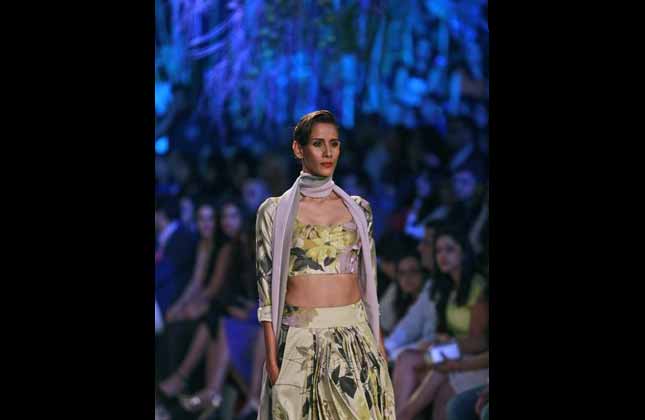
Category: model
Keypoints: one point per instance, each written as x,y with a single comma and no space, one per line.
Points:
316,266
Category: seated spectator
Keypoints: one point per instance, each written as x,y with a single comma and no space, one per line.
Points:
462,313
420,322
192,314
206,252
175,253
238,341
228,333
401,294
174,259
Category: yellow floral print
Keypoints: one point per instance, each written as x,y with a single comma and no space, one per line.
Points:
318,247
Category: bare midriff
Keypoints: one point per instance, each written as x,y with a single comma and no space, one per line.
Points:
322,290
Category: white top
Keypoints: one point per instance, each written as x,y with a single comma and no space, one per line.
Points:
419,323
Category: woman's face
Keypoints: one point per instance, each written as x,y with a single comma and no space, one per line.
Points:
320,155
409,275
449,254
206,222
231,220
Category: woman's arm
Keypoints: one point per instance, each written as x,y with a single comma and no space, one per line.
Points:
199,274
369,217
264,257
222,264
479,317
481,361
473,345
179,309
271,352
264,272
477,340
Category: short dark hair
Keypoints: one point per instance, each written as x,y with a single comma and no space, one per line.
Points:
302,131
407,253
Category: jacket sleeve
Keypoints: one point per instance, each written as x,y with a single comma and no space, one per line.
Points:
264,256
367,209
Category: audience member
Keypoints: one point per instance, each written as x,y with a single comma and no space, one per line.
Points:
401,294
175,253
462,314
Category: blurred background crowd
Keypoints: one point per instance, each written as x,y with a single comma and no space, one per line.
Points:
408,82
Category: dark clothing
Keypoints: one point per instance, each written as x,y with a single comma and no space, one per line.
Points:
175,268
239,286
462,406
464,214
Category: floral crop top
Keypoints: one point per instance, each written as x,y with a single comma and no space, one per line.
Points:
324,249
326,242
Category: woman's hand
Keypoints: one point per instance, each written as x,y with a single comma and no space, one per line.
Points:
448,366
196,308
442,338
273,371
181,310
424,345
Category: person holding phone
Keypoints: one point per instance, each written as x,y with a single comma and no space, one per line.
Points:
461,299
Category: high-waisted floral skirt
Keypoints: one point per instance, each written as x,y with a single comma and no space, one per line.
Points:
330,367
